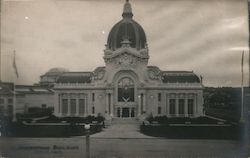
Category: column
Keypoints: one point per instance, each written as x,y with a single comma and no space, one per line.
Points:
58,103
86,105
177,105
68,112
120,112
77,104
129,112
186,105
167,106
139,104
195,104
107,104
144,102
111,104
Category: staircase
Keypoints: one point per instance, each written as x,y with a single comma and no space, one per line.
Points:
133,121
121,128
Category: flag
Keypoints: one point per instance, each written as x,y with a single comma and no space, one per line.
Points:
14,64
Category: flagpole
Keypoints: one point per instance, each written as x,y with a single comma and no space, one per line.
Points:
242,89
14,88
14,101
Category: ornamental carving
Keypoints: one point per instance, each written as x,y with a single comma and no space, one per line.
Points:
98,75
125,61
154,75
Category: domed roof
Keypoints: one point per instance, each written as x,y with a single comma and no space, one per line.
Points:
127,30
56,71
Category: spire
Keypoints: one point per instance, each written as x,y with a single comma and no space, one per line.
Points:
127,10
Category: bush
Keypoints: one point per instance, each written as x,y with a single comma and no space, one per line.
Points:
181,120
34,112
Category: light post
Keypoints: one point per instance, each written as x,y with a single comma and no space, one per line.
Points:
87,128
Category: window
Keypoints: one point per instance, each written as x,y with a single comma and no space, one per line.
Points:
181,106
73,106
159,110
1,101
10,101
10,109
159,97
93,110
93,97
44,105
1,110
190,106
81,106
126,90
172,106
64,106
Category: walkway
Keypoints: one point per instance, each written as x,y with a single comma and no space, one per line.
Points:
122,128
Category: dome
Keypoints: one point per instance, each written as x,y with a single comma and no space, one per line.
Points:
56,71
127,30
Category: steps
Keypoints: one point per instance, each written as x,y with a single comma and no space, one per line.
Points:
121,128
124,121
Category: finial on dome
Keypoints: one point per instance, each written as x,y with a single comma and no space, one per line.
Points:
127,10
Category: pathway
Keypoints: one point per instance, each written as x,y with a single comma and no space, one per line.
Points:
122,128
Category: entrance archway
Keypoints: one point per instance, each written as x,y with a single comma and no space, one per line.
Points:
125,101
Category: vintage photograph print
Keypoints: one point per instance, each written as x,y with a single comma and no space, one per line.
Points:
124,79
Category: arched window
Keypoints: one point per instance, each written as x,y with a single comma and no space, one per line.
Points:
126,90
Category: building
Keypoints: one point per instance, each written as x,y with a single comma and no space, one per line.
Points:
126,86
26,97
6,99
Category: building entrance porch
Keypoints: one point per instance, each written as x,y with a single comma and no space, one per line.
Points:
125,112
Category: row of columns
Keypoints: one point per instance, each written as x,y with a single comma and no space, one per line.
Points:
77,97
177,106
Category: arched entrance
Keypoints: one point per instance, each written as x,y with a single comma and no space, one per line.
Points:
126,97
125,101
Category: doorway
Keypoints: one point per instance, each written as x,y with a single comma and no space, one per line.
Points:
125,112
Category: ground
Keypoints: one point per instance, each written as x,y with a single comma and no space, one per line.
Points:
121,140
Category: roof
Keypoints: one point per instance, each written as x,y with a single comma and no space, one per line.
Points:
55,71
6,88
75,77
128,29
30,89
180,77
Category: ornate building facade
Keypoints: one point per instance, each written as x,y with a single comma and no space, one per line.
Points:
126,86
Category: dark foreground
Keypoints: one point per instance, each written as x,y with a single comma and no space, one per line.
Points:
120,148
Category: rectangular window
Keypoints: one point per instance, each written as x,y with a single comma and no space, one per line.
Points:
181,106
1,110
10,101
44,106
93,110
1,101
159,110
159,97
172,106
10,109
126,95
72,106
93,97
190,106
81,106
64,106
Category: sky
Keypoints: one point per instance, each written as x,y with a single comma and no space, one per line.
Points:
205,36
